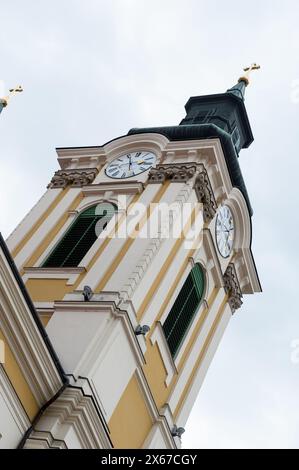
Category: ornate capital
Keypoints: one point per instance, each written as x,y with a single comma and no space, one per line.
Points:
74,178
205,195
176,172
232,288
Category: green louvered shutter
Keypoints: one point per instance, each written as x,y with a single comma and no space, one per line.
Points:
79,238
184,309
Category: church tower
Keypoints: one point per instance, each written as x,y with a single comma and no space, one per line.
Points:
136,258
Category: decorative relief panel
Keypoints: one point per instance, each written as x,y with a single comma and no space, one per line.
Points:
182,173
205,195
177,173
74,178
232,288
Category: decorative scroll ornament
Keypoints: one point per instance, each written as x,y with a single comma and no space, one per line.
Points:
232,288
74,178
205,195
175,172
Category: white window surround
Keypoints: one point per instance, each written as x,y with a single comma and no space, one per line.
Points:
195,351
198,315
91,252
70,274
71,217
158,337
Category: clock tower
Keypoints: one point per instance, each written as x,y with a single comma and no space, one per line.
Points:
136,258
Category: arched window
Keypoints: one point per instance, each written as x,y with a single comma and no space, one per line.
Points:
184,309
80,237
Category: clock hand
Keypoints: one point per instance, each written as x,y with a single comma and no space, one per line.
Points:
122,164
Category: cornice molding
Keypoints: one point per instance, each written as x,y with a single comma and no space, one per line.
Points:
232,288
24,338
76,411
76,178
123,187
44,440
70,274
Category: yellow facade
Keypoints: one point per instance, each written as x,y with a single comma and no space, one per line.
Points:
131,421
17,379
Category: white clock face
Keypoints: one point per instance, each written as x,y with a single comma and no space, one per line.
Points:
130,164
225,231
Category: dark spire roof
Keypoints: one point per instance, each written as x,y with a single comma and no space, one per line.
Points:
225,110
222,116
239,89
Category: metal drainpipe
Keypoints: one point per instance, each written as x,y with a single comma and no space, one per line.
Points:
40,413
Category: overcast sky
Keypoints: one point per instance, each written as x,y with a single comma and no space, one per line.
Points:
93,69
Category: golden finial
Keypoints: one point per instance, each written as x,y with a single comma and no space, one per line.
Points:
246,78
12,92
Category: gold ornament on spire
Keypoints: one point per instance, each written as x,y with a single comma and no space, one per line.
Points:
246,78
12,92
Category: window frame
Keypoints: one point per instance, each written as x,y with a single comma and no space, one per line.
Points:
199,310
67,227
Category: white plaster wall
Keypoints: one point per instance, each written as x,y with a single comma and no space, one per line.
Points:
71,333
94,275
114,370
32,217
153,271
202,371
46,227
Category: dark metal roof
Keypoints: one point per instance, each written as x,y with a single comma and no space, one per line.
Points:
225,110
206,131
